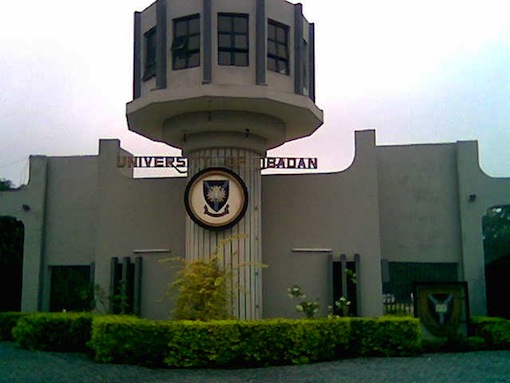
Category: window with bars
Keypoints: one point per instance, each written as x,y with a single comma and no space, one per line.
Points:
149,54
278,48
186,43
233,43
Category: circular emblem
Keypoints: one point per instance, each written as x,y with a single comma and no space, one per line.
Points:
216,198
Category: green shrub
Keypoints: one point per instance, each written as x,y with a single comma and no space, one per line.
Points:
8,321
495,331
230,343
129,340
386,336
256,343
53,331
456,344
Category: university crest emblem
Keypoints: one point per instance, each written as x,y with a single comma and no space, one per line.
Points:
216,195
442,308
216,198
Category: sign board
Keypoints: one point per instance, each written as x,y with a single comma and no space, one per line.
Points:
216,198
443,308
180,164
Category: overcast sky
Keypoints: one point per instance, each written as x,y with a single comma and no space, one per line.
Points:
416,71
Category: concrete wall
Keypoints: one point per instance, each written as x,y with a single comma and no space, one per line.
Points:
324,211
487,192
27,204
138,214
419,203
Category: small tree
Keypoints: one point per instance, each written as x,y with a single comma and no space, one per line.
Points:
203,288
203,292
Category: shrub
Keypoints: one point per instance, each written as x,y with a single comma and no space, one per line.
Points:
8,321
256,343
129,340
53,331
495,331
454,344
386,336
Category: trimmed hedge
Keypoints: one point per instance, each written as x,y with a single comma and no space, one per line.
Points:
386,336
194,344
130,340
495,331
54,331
256,343
8,321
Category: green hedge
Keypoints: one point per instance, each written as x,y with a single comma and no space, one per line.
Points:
495,331
54,331
129,340
256,343
8,321
386,336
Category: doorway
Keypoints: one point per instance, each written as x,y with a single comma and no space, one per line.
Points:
12,234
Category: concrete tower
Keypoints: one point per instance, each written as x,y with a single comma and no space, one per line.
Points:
224,81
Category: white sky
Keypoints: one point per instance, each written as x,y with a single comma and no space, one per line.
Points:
416,71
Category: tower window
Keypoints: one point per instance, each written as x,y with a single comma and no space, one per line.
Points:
186,44
233,39
278,47
149,54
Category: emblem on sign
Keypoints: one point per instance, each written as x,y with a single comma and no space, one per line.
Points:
442,307
216,194
216,198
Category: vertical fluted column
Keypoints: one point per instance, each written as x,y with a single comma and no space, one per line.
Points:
239,245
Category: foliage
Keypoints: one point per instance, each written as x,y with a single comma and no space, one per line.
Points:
8,321
11,242
204,288
342,306
130,340
386,336
53,331
459,343
6,185
496,232
256,343
495,331
309,308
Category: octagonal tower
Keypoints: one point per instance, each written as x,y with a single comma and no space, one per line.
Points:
224,81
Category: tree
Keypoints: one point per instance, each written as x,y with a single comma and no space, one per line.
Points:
5,185
11,235
496,232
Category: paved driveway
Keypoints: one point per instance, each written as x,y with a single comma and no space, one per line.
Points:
21,366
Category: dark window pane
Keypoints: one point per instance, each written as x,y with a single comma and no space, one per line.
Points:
224,40
271,48
194,60
179,63
282,51
241,59
224,58
271,64
194,43
224,24
241,42
240,24
186,43
271,32
194,26
181,28
282,66
280,35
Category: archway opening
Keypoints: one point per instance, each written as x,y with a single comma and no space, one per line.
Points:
12,233
496,244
